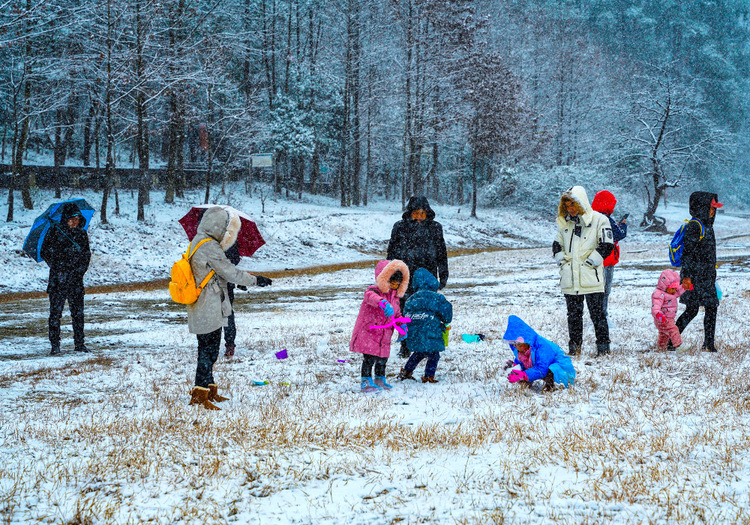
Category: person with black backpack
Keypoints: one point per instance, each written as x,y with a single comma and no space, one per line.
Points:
698,266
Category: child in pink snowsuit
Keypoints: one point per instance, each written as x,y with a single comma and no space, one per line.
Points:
664,308
380,304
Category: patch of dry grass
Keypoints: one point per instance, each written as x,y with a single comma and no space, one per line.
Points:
660,435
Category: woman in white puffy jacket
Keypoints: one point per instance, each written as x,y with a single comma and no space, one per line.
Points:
584,240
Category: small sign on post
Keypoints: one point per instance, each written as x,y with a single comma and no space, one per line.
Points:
261,160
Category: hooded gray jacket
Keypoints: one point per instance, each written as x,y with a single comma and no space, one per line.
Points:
211,310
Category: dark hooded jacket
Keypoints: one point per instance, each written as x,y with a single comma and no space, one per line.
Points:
430,313
420,244
66,251
699,255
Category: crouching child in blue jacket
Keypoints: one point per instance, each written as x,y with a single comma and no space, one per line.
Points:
430,313
536,357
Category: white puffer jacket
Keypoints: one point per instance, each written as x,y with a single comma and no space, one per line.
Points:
581,266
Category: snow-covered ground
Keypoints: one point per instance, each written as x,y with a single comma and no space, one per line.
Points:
643,437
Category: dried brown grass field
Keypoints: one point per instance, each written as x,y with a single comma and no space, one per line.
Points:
642,437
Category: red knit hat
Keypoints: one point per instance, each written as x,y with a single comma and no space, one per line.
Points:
604,202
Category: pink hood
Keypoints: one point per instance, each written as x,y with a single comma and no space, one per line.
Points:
664,302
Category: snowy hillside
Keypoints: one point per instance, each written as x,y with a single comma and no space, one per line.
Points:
297,235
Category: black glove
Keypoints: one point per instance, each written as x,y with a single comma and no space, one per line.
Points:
263,281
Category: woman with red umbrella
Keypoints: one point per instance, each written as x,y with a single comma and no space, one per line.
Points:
248,241
209,314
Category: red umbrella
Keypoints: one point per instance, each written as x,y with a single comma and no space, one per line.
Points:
248,238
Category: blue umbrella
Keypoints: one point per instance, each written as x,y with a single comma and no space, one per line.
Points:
33,243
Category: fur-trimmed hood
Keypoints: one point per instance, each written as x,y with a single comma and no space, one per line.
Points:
383,272
220,224
578,195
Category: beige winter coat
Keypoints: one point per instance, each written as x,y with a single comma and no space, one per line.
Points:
211,310
581,266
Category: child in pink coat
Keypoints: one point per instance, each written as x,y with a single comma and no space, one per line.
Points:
381,302
664,308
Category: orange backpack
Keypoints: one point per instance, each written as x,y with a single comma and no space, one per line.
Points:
182,286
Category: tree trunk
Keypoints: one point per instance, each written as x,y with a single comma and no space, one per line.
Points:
141,136
408,181
110,166
21,151
474,166
87,135
433,176
209,153
354,7
368,155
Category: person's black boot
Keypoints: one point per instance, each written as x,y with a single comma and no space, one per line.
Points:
403,351
574,350
55,350
602,350
670,346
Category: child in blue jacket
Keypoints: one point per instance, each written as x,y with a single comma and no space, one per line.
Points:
430,312
536,357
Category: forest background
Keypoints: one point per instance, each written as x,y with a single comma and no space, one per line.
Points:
464,101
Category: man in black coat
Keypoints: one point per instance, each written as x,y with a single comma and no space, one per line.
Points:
66,250
418,241
699,266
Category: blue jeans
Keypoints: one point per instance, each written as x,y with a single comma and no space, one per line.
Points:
416,358
609,273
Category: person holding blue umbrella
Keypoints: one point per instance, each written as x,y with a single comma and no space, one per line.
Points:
65,248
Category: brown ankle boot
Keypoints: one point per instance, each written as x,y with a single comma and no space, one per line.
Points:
199,396
429,379
213,394
229,351
404,374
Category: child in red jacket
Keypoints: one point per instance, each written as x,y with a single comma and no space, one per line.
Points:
664,308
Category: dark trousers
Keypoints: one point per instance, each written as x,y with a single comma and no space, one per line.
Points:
230,330
56,304
595,304
709,322
208,353
372,360
430,367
